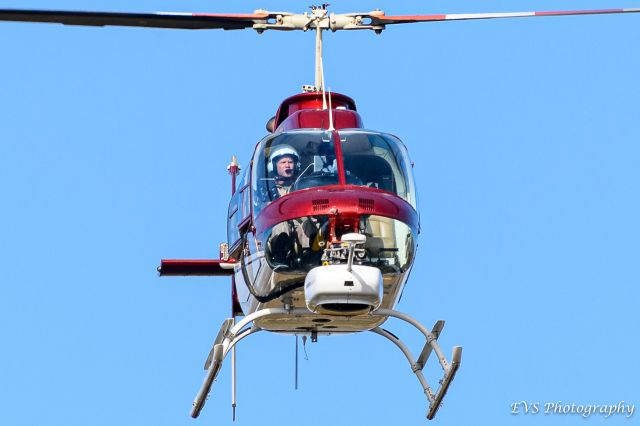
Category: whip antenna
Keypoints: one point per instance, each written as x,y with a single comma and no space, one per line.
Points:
296,364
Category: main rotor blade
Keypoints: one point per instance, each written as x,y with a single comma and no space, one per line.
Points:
187,21
407,19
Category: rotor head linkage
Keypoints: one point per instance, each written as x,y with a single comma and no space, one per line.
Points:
319,18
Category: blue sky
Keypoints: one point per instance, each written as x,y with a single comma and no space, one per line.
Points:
113,147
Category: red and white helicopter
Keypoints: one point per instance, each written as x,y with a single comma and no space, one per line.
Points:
323,224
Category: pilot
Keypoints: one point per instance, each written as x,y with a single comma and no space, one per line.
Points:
290,238
284,165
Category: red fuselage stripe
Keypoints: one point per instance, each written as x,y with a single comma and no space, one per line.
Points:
337,200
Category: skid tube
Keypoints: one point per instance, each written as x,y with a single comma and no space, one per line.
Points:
230,334
431,345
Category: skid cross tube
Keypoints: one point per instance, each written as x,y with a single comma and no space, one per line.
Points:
431,337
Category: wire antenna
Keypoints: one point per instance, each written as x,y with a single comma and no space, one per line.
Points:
296,364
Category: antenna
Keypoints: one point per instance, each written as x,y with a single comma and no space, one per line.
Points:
296,368
234,401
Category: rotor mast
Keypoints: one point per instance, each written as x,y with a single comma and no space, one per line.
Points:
319,19
319,86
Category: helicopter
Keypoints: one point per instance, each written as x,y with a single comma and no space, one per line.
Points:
361,210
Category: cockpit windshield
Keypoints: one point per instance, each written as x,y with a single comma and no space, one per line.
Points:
292,161
303,159
378,160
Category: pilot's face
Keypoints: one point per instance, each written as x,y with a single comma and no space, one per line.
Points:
285,167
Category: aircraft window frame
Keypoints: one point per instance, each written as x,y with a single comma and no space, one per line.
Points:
395,156
296,246
233,232
317,165
238,215
245,196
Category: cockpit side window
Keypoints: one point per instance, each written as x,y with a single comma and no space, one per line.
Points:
378,161
290,162
239,210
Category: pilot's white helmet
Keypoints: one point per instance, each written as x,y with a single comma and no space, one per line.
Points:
280,151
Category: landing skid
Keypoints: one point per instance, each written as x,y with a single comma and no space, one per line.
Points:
431,344
230,334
